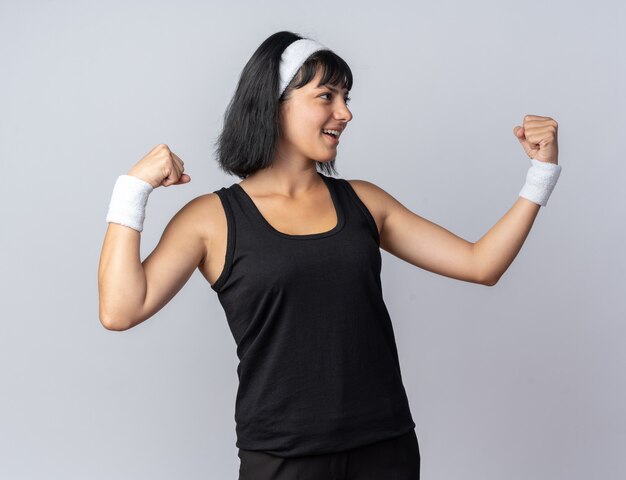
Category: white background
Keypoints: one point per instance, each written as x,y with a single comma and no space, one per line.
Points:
523,380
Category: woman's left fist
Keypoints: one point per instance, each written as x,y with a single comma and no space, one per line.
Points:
538,136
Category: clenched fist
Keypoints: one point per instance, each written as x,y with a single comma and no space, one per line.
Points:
161,167
538,137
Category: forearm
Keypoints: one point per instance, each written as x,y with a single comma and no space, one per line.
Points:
121,277
497,249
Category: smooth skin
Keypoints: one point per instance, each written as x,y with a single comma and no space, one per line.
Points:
294,200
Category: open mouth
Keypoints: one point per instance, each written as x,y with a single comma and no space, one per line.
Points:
334,138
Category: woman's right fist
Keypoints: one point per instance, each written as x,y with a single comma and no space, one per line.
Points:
160,167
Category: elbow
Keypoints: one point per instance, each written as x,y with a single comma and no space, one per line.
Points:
482,272
484,277
110,323
489,281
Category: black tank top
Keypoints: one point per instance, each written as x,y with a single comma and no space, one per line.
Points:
318,365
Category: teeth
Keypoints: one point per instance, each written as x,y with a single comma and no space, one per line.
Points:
333,132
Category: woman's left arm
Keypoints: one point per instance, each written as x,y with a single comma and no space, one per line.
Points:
497,249
432,247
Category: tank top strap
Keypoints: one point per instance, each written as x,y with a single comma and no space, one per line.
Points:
355,208
225,196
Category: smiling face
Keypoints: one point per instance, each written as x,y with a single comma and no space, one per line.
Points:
306,112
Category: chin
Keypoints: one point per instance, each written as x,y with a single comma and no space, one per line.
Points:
327,159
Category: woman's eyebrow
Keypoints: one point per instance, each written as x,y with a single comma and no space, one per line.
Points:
330,88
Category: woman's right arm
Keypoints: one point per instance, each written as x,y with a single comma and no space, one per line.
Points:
130,291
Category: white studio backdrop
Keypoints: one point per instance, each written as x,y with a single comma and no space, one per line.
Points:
521,380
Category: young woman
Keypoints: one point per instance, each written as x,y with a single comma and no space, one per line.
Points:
294,256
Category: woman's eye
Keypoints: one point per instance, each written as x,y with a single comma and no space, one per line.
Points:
347,99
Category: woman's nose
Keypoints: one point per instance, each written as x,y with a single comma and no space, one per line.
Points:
343,113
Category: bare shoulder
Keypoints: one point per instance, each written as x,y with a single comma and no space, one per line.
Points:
207,206
202,210
373,197
204,216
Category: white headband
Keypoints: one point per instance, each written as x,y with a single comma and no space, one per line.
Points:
292,59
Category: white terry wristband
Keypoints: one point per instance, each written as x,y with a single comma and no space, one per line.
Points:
128,202
540,181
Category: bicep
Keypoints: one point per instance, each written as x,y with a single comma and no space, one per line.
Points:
427,245
179,252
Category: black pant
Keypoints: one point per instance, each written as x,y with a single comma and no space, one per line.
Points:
394,459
